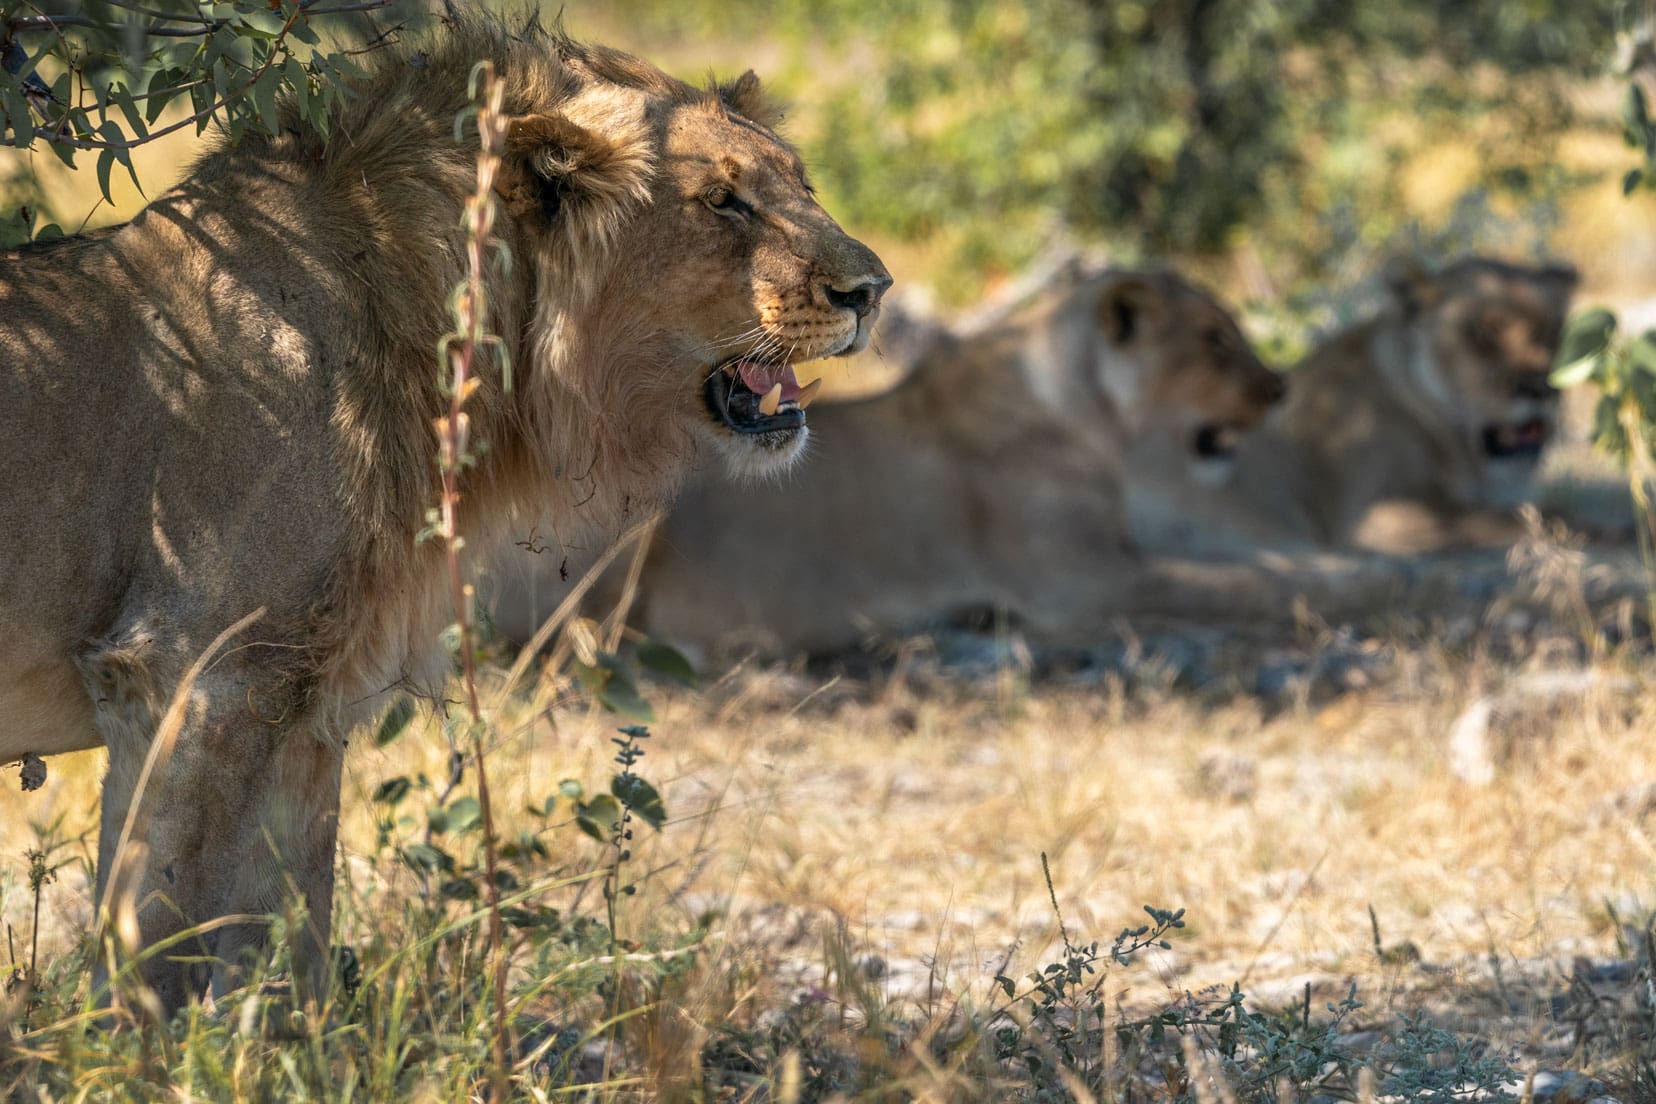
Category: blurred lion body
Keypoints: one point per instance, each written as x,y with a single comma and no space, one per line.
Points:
227,406
989,477
1417,430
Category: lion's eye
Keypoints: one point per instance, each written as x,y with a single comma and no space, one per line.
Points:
727,202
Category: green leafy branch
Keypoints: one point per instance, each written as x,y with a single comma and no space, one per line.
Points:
100,80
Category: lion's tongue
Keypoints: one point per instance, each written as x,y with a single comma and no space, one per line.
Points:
760,378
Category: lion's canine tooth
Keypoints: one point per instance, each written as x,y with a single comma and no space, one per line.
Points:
808,393
772,400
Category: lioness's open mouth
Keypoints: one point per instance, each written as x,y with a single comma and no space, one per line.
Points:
1524,440
759,399
1215,441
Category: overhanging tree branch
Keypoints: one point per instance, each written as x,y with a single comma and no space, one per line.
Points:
198,26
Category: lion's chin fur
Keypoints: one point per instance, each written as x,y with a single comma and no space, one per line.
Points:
750,462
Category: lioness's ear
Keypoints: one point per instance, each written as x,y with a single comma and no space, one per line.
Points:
746,98
1559,280
552,163
1414,288
1126,307
1562,273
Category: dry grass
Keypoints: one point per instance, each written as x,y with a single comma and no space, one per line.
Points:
909,815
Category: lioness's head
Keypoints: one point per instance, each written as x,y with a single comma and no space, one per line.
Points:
694,230
1486,334
1178,368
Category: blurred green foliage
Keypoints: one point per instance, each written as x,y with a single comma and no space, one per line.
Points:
985,131
1158,127
1624,373
95,78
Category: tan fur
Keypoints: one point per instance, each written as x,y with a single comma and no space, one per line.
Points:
1382,443
226,405
989,477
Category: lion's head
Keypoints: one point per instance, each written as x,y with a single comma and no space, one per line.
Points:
684,234
1485,334
1178,369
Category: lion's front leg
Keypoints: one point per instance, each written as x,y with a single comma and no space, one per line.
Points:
286,858
235,821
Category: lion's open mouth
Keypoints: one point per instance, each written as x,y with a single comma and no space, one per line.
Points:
1214,441
1523,440
757,398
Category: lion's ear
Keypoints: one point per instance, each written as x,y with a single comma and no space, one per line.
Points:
747,98
1126,307
1413,287
552,163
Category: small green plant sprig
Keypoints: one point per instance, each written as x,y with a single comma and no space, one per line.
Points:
1624,422
1639,132
1057,1032
1064,1031
1623,370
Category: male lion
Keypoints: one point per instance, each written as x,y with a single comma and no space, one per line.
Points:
226,406
1418,429
990,476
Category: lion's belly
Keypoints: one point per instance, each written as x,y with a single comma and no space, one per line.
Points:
44,710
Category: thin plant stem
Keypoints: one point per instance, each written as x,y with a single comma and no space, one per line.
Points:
470,312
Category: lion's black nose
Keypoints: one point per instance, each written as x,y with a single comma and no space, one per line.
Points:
862,297
1534,385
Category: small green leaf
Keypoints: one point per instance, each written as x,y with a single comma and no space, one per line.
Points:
395,721
614,690
1575,373
641,797
106,160
1635,117
303,32
260,22
392,790
464,814
1608,434
621,696
201,103
1631,181
122,95
155,105
598,817
423,856
63,152
571,789
666,661
1641,352
459,889
264,98
1587,337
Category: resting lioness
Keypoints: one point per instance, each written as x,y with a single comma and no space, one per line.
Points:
226,406
989,477
1418,429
